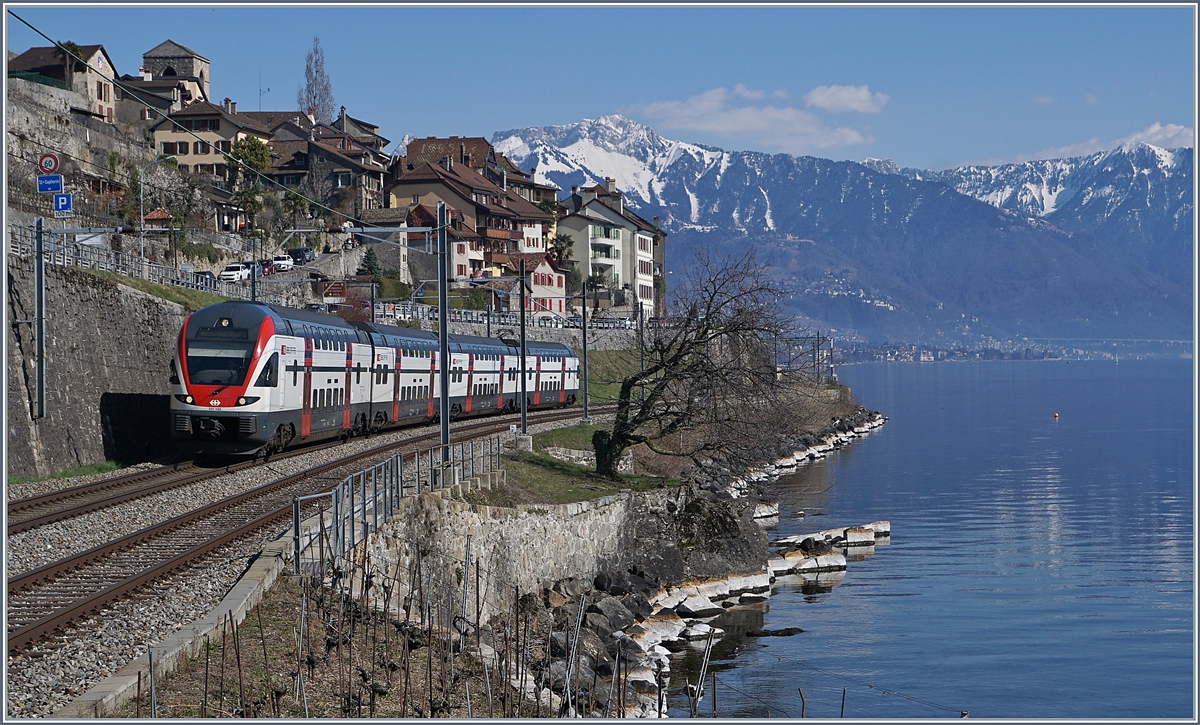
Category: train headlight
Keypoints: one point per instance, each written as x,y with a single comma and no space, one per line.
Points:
247,399
185,399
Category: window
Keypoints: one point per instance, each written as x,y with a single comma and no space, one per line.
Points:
462,270
200,148
223,146
416,198
559,280
181,148
341,180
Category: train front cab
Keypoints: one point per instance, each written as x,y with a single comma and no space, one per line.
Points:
223,376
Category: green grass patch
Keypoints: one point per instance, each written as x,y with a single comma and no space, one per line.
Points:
190,299
576,437
533,478
104,467
607,369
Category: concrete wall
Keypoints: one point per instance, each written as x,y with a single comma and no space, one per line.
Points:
108,351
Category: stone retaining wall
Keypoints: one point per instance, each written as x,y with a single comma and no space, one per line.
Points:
108,352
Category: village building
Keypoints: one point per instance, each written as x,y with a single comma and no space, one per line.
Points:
92,77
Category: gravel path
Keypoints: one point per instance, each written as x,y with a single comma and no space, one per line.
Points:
43,679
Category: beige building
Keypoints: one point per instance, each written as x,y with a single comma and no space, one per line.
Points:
92,78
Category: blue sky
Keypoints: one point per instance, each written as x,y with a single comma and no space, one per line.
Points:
927,87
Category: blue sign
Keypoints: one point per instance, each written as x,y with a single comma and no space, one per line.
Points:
50,184
62,202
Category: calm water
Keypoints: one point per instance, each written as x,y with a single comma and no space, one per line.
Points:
1038,568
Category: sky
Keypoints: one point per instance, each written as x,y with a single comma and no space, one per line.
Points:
928,87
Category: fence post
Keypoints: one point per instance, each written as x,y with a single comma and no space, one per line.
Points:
374,497
350,481
362,478
296,533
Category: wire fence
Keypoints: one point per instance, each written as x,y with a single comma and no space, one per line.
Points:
363,501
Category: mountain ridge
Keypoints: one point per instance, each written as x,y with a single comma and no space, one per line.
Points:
907,246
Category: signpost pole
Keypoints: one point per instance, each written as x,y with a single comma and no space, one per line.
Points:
39,273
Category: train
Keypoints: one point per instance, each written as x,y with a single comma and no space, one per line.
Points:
250,378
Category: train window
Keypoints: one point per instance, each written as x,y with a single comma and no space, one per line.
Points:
269,377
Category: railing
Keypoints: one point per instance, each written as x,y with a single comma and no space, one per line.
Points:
364,501
21,243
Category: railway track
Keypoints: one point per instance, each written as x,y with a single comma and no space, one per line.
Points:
50,598
29,513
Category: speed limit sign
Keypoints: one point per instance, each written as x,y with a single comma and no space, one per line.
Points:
48,163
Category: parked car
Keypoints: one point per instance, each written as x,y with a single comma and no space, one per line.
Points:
234,273
206,279
317,307
302,255
267,265
283,262
253,268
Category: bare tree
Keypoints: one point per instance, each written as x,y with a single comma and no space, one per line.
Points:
316,95
711,382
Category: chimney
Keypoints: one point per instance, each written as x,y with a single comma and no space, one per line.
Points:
462,152
232,107
145,74
225,104
656,222
574,188
504,179
610,184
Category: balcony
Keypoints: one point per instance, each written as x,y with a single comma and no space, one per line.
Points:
606,253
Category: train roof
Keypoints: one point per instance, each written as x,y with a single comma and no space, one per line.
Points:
407,335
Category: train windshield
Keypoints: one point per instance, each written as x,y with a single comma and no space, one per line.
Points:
219,356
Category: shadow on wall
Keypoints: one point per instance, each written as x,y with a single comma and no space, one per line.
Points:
137,426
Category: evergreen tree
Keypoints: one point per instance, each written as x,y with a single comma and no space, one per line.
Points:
370,264
316,95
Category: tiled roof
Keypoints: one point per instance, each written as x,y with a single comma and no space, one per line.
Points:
433,150
169,48
204,108
35,59
271,119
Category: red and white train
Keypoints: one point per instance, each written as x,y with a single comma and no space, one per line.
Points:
249,377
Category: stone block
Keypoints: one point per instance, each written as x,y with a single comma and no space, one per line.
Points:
697,607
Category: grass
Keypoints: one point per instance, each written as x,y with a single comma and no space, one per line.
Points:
576,437
607,369
188,298
104,467
533,478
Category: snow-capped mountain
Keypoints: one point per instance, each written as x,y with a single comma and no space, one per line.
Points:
1136,198
895,253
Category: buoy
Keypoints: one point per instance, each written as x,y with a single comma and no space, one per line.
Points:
1056,416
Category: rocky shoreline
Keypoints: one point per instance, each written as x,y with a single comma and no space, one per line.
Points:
691,566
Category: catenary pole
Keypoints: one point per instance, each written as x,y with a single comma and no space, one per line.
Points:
443,334
524,375
585,351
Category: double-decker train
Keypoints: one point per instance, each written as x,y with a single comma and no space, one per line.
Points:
249,377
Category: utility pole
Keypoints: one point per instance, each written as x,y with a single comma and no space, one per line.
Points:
39,274
524,402
443,339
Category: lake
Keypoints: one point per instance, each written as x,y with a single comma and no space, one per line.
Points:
1038,567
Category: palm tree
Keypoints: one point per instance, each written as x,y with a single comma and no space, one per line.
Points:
559,246
68,52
